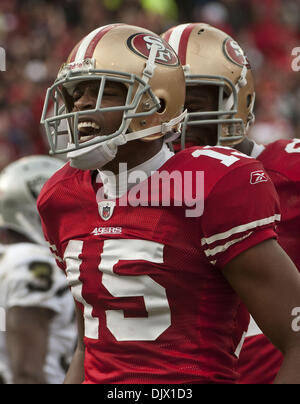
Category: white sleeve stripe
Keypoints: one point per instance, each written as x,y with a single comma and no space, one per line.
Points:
57,258
240,345
53,251
240,229
223,248
52,246
253,328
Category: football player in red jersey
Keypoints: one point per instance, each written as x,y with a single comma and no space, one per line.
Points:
220,100
158,285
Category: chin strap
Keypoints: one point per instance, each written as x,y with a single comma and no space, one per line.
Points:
164,128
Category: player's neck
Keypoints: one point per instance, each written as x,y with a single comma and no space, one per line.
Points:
117,185
133,154
246,146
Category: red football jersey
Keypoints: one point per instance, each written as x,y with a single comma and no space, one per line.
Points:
148,279
260,360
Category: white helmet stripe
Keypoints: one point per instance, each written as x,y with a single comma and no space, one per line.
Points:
80,55
175,36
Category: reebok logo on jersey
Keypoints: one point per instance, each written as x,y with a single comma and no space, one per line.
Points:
258,176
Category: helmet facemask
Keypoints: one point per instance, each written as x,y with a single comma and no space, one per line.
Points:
147,67
212,58
139,96
229,128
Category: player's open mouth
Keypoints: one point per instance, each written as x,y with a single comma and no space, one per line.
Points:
88,130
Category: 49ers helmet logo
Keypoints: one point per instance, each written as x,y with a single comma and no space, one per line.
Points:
235,53
141,45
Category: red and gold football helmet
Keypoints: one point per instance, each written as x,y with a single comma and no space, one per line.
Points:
211,57
120,53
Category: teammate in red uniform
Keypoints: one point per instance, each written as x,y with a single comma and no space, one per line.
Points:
159,249
219,79
260,360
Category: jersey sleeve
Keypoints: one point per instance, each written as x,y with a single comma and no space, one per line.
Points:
38,283
286,160
54,250
241,211
52,207
50,231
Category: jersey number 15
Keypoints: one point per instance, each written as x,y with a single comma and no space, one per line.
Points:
155,298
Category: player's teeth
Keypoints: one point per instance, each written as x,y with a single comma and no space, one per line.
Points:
85,138
88,125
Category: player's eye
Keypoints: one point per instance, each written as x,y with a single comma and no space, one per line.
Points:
110,93
77,94
94,90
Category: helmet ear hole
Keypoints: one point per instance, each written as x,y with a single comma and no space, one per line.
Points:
162,106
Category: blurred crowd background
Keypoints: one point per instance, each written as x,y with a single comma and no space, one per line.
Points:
37,36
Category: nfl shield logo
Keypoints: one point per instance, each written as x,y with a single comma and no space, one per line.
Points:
106,209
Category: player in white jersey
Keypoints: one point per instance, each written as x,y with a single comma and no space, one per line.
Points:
29,279
39,334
